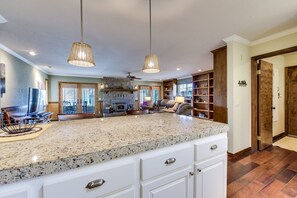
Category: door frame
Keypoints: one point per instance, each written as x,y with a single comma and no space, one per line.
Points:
96,95
254,91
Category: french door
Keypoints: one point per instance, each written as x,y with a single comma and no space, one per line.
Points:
78,98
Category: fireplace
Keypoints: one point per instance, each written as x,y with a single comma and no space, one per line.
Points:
119,107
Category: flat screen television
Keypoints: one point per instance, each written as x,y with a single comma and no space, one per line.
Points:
36,101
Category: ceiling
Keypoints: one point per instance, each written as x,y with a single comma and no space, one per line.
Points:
184,32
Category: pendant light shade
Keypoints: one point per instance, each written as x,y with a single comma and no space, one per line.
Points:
151,64
81,53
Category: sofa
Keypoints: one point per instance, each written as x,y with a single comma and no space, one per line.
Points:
170,106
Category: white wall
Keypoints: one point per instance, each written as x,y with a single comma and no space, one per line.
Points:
239,104
279,100
291,59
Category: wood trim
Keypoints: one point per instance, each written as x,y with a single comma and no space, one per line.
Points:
286,99
254,94
276,53
240,154
79,87
279,136
219,49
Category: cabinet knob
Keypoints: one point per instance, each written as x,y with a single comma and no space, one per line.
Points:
95,183
214,147
170,161
191,173
199,170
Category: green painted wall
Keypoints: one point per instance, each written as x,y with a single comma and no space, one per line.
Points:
20,76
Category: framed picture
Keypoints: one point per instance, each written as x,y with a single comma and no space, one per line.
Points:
2,79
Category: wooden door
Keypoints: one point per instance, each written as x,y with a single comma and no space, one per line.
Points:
265,104
291,101
211,178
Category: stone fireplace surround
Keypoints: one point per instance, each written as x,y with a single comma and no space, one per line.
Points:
120,101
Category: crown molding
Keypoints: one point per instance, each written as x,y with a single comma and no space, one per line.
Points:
6,49
73,75
238,39
274,36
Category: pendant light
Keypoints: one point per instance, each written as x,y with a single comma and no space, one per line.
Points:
81,53
151,63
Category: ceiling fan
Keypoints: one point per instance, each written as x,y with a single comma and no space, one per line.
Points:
132,77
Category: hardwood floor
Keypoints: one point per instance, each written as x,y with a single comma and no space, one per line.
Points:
269,173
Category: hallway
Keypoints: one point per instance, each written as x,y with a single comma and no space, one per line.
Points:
269,173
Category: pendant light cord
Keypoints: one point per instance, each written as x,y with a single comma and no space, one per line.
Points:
150,9
81,22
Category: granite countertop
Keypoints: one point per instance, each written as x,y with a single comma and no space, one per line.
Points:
72,144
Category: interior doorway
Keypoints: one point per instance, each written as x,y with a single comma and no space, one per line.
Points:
270,110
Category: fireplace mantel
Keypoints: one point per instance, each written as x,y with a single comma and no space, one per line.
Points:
118,90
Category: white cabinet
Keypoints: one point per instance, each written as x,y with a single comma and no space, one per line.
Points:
211,178
128,193
16,193
178,184
186,170
93,182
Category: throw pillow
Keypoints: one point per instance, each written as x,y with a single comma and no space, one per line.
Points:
170,103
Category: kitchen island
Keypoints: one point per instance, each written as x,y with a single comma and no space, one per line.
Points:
126,150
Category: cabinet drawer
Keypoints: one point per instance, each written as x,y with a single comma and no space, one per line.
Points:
107,179
210,147
166,160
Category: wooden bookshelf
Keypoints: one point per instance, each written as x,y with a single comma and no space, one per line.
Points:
202,100
169,89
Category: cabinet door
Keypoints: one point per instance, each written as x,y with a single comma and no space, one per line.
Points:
15,194
128,193
177,184
211,178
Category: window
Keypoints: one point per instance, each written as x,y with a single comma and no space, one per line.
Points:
185,90
144,91
149,91
156,94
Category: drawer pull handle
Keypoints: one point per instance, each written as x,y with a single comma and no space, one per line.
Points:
214,147
199,170
170,161
95,183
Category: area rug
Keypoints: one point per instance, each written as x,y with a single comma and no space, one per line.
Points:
289,143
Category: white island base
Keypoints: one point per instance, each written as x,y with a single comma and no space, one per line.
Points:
195,169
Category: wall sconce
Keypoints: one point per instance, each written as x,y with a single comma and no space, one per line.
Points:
242,83
101,85
135,87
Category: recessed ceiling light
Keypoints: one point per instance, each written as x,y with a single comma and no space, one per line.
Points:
178,68
48,66
2,19
199,70
32,53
